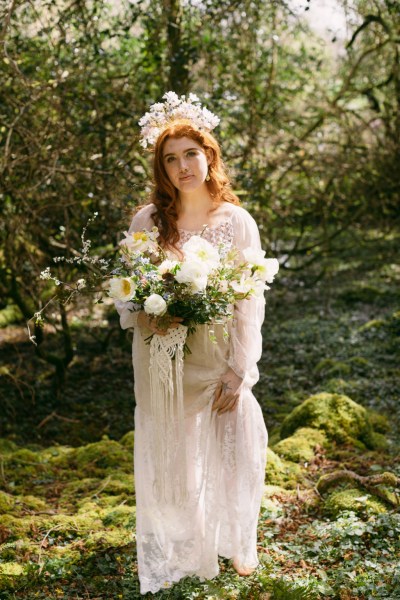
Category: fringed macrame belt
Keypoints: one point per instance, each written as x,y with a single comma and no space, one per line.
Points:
167,410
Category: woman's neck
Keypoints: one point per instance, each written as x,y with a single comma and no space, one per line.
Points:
195,204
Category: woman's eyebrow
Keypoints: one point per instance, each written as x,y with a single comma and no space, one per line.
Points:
172,153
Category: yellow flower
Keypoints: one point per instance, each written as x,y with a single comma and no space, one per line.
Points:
139,236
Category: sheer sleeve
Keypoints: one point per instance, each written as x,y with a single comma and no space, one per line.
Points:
246,338
127,311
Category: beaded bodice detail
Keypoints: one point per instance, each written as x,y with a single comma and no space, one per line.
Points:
222,233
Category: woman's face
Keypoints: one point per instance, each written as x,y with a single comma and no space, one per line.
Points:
186,163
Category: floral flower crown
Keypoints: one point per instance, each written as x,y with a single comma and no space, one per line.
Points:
162,114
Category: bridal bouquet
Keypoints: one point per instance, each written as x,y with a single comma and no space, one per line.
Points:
201,288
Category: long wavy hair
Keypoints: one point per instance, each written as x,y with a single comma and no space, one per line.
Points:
164,194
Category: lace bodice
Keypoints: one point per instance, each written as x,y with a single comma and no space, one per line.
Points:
238,229
223,233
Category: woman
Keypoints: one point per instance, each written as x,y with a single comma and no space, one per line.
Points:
225,434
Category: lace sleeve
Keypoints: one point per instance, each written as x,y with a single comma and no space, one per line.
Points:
246,338
128,313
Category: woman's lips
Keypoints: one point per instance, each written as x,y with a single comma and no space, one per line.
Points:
186,178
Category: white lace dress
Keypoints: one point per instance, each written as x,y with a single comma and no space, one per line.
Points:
225,454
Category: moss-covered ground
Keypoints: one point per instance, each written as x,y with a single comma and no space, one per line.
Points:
329,389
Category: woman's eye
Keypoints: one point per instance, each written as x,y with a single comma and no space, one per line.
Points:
170,159
192,153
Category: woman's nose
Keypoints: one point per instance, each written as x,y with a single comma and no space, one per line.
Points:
182,165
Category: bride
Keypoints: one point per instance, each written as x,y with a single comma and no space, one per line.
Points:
225,438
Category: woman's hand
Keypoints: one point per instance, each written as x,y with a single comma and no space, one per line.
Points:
153,324
227,392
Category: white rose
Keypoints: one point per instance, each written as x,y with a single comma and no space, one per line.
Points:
166,266
121,288
193,273
155,305
198,249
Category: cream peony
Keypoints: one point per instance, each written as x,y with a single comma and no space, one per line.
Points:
140,241
198,249
155,305
121,288
193,273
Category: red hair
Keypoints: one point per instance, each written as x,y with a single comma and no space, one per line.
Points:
165,195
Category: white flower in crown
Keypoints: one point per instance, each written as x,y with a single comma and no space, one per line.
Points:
162,114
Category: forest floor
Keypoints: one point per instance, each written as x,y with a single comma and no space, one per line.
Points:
67,510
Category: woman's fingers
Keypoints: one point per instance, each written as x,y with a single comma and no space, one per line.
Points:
224,403
229,405
217,396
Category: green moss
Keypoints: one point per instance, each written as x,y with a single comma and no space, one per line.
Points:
300,447
379,441
120,516
9,315
330,366
103,456
11,569
359,361
380,423
104,539
373,324
34,503
7,502
22,465
354,499
15,527
74,490
282,472
7,446
342,419
128,440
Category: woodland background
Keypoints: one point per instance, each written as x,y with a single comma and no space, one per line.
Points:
310,131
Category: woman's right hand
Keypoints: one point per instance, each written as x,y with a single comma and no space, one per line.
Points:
152,323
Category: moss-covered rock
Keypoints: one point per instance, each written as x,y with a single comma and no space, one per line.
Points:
104,456
300,447
7,446
342,419
282,472
379,441
380,423
331,367
354,499
128,440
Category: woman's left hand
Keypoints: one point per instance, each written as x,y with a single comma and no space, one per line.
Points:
227,392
